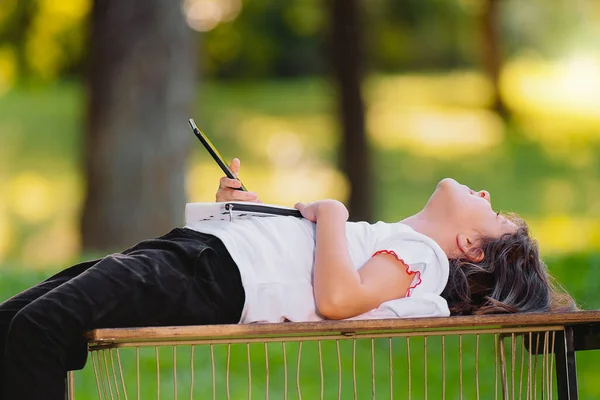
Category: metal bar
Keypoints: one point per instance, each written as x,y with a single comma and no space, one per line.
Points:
443,367
107,374
425,364
535,368
157,373
100,397
137,371
298,372
71,385
408,365
373,369
552,363
460,367
476,367
192,381
321,369
354,368
212,365
566,368
529,371
543,372
391,361
227,372
496,367
175,372
285,372
503,368
104,376
121,373
267,369
522,365
100,375
545,367
339,359
112,365
249,371
513,354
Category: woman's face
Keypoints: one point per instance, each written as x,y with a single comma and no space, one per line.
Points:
469,211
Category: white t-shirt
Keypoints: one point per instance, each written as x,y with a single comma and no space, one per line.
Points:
275,256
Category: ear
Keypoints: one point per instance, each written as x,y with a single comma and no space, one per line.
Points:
469,248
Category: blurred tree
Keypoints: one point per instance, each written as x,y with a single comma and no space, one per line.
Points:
347,57
267,39
492,51
45,37
15,22
141,84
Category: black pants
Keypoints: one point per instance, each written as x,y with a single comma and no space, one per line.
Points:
181,278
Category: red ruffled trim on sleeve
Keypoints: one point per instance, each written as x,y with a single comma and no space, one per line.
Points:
408,271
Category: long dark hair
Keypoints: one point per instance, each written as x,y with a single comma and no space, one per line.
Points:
511,278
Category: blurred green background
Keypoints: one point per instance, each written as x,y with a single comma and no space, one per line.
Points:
266,94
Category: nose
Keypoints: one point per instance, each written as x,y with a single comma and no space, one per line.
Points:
485,194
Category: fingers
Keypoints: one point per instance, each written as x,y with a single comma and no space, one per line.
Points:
227,187
227,183
235,166
307,211
236,195
244,196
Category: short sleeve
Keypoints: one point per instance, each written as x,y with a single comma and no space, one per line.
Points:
421,260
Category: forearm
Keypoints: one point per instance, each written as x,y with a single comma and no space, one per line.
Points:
336,281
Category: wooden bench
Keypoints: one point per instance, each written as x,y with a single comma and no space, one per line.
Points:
402,358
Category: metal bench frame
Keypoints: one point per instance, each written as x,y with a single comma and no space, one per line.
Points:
576,331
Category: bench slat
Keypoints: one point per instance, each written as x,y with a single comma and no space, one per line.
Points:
346,326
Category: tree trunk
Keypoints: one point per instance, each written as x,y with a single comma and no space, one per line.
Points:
141,86
347,57
492,51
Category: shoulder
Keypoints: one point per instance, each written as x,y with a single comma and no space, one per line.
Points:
407,243
419,252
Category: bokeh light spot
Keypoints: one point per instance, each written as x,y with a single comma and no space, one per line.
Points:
31,197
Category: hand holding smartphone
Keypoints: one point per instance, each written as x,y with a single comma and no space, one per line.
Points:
214,153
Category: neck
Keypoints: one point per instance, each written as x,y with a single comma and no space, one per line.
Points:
433,228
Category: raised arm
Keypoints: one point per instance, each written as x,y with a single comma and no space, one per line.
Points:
227,187
340,290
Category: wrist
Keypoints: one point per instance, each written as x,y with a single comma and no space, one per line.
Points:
334,209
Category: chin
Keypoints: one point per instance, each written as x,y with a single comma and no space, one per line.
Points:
449,189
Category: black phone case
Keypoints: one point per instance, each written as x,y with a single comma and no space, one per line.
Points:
286,212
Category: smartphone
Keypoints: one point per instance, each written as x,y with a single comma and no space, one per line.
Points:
214,153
